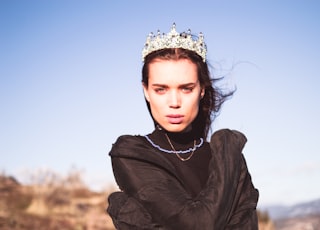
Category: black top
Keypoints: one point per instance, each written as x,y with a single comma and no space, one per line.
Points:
193,172
154,194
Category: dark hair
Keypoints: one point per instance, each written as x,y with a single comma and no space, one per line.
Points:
213,98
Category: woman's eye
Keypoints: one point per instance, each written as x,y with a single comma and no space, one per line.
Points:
160,90
187,89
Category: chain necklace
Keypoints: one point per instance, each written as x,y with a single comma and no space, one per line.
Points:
176,152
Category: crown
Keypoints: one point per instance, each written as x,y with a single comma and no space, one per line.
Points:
175,40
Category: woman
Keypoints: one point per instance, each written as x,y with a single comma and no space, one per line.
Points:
173,178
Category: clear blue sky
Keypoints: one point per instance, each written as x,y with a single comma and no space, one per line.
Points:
70,84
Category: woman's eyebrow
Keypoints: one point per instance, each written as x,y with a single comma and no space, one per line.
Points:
188,84
159,85
180,85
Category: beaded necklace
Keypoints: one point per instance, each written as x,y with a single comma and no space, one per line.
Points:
174,151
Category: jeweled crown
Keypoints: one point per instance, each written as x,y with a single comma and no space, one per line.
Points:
173,39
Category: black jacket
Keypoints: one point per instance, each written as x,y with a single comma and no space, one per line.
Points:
153,197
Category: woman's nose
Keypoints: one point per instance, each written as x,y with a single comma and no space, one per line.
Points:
174,99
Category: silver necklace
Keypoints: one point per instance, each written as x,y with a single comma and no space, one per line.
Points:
176,152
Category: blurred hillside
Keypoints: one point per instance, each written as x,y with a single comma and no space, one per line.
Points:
301,216
59,204
55,203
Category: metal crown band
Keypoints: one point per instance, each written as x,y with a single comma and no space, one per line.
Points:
175,40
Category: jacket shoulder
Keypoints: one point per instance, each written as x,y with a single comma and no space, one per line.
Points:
229,137
127,142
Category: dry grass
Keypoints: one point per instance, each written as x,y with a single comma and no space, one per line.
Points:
265,223
52,206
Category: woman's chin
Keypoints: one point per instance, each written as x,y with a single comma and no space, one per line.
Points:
176,128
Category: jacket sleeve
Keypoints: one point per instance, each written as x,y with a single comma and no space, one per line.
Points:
236,180
128,214
243,214
159,194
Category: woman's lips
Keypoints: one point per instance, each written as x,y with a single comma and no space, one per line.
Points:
175,118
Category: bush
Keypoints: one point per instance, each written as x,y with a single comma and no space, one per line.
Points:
263,216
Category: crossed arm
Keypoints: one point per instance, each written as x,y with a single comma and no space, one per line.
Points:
152,198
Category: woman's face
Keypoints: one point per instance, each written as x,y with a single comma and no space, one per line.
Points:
174,93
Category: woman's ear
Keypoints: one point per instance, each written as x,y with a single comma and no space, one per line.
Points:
145,91
202,92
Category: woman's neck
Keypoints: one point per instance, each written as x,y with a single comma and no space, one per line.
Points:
182,138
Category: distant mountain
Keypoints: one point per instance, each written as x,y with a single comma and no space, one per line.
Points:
298,210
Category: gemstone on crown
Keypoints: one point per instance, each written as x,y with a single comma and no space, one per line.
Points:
173,39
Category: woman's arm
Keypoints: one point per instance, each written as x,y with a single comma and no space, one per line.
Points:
128,214
243,214
162,195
